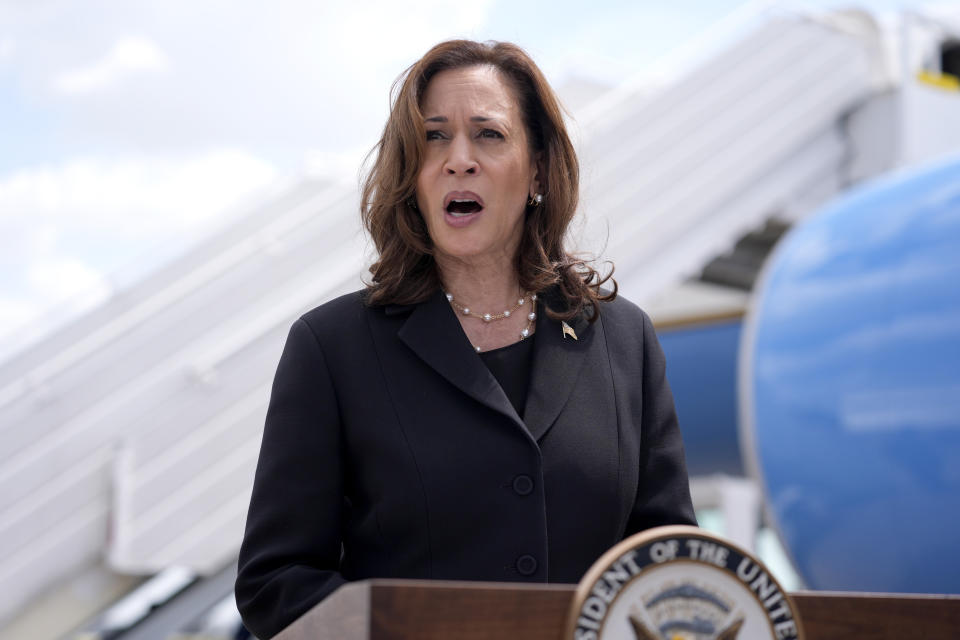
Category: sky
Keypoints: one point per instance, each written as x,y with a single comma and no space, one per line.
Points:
131,128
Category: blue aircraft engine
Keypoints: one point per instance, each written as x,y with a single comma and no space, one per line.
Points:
850,387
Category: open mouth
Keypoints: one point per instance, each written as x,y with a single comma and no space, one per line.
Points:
458,207
460,204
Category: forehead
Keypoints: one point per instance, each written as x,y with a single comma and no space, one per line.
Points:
480,89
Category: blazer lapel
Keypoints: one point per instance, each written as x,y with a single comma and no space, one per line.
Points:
434,334
557,361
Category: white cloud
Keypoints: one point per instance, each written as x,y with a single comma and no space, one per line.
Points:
129,56
141,194
70,279
401,33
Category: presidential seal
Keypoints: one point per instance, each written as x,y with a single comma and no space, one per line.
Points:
680,583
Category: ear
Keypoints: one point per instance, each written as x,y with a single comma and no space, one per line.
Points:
536,184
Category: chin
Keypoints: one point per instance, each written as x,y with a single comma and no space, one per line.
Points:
463,252
466,246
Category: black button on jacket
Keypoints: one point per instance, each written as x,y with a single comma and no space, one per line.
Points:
391,451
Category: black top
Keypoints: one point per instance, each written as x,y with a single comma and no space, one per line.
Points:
510,365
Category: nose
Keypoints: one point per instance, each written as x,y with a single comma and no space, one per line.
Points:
461,159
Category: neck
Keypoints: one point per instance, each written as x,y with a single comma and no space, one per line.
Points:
485,287
488,287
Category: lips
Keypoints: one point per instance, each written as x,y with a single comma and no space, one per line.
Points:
460,204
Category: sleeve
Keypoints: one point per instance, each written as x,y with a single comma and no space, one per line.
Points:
663,494
291,546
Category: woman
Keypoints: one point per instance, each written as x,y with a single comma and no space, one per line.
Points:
483,410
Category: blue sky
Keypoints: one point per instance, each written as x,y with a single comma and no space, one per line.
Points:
129,127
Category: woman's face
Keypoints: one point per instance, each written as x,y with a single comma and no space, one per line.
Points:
477,168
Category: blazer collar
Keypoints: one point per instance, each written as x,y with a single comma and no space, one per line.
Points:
433,332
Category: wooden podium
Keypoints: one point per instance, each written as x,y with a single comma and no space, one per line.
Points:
419,609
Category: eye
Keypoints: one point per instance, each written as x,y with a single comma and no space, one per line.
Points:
491,133
435,134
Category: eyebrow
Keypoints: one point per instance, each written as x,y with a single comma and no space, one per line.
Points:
444,119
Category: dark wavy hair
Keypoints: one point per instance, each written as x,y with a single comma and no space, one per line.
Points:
405,272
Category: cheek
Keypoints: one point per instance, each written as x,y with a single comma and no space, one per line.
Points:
427,182
423,193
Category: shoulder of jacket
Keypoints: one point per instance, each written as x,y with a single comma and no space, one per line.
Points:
337,313
622,312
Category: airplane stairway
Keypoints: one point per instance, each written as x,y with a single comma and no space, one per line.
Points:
677,176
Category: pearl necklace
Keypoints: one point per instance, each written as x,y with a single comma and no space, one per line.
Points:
490,317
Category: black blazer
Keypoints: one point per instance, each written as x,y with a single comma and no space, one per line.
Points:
390,450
